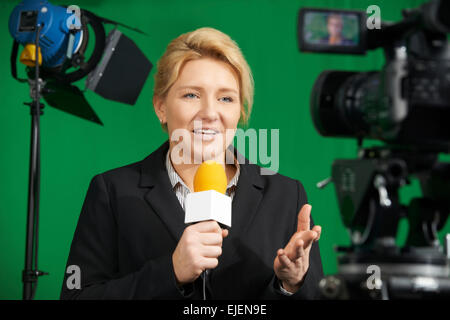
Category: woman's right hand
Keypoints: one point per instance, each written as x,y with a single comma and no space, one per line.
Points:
198,249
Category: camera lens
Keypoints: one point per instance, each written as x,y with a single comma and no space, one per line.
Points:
326,113
344,103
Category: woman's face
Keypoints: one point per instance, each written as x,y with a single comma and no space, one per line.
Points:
203,107
335,27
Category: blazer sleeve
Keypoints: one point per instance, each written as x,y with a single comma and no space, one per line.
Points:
94,252
310,287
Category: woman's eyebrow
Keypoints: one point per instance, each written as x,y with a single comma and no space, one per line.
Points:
199,88
228,90
190,87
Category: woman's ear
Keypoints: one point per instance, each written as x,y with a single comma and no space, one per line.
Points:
160,108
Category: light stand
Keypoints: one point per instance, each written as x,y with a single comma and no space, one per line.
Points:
117,69
31,273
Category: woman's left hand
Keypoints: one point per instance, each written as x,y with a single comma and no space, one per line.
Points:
292,262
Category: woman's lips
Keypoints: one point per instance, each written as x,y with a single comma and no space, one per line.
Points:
205,134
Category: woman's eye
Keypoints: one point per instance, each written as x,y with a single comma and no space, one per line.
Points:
226,99
190,95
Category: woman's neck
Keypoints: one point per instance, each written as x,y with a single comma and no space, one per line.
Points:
187,171
335,39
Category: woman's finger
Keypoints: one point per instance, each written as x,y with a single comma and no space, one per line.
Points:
303,218
302,238
297,249
225,233
211,239
300,252
206,226
209,263
308,237
317,229
211,251
284,260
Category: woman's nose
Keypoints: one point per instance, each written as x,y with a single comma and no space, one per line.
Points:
208,109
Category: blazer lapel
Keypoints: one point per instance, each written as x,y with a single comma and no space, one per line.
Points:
161,197
246,199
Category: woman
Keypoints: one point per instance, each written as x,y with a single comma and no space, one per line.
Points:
131,241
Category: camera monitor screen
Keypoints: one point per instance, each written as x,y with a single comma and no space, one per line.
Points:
338,31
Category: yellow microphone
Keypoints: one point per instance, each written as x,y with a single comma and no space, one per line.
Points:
210,176
208,201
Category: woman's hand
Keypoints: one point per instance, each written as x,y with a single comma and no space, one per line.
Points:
292,262
198,250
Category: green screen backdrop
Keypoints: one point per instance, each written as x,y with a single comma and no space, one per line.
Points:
74,150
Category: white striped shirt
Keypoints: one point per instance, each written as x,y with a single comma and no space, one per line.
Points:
180,188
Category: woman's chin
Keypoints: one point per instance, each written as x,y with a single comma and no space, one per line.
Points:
207,152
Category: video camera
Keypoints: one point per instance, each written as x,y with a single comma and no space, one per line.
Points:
407,105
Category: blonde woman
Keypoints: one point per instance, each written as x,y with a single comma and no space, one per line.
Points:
131,241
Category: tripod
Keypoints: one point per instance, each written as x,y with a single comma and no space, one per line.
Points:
373,267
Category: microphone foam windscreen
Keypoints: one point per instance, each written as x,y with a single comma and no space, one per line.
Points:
210,176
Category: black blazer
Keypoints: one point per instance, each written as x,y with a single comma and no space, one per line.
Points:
131,222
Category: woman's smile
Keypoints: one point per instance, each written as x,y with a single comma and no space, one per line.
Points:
205,134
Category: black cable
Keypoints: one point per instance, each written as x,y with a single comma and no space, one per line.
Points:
204,285
13,61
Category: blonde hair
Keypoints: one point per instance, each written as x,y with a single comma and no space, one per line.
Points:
201,43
